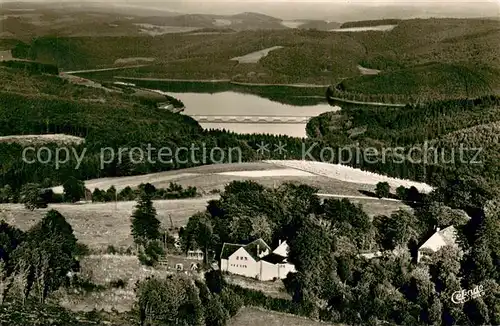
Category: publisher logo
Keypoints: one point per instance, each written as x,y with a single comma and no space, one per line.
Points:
463,296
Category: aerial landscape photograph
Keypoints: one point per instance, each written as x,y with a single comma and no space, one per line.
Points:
249,162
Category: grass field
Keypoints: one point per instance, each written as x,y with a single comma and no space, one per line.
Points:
102,224
275,289
101,270
216,177
253,316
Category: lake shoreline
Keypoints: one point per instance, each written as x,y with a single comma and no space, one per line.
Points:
229,81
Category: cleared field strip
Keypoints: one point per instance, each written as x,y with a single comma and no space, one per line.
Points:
269,173
42,139
348,174
192,176
255,57
123,182
380,28
368,71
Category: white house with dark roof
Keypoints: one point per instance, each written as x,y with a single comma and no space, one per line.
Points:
256,260
440,239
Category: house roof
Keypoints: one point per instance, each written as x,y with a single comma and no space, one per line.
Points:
274,258
282,249
251,248
230,248
447,235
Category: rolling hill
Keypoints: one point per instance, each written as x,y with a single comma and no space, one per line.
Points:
429,58
64,19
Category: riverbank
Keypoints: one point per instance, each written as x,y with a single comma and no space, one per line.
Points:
229,81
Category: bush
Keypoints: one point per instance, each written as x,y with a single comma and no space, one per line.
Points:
74,190
81,249
111,250
383,190
57,198
402,193
215,313
85,285
259,299
215,281
99,196
231,301
173,300
118,284
31,196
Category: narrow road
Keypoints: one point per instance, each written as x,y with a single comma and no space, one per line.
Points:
103,69
176,80
397,105
284,85
222,81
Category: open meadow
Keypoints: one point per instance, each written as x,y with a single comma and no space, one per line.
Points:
104,224
100,225
210,178
253,316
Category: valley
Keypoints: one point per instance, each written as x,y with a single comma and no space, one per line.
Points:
340,168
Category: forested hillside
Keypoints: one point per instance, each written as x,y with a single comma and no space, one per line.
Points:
428,59
41,104
446,126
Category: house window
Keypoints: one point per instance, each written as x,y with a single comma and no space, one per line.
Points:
246,258
237,257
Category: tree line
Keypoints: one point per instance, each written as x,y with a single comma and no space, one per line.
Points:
35,263
335,283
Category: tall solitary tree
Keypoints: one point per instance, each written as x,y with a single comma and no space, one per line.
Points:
145,225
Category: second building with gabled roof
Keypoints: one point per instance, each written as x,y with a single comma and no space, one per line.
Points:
256,260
